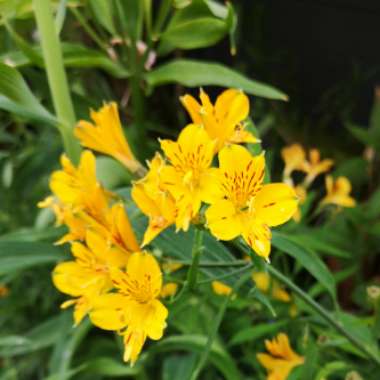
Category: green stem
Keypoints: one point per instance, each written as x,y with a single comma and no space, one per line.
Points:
56,74
192,274
327,316
235,272
215,327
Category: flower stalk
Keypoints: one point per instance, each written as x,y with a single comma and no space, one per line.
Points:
192,274
56,74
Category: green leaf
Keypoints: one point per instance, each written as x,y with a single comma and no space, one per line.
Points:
110,367
194,33
111,173
16,97
307,258
74,56
178,367
15,255
103,12
253,333
196,343
192,73
40,337
331,368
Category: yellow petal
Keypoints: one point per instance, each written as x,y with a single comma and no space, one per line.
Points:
275,203
192,107
108,312
223,221
169,289
258,237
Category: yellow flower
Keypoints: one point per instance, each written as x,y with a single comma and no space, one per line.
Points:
189,178
78,187
281,358
302,195
106,136
220,288
169,289
119,229
154,201
88,275
247,207
315,166
222,121
294,157
134,310
263,282
338,192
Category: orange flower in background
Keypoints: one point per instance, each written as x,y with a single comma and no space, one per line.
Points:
224,120
267,285
281,358
315,166
338,192
246,205
189,178
106,136
294,157
220,288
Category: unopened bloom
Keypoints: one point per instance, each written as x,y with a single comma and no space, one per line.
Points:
247,207
106,136
315,166
281,358
338,192
266,285
220,288
190,178
222,121
86,277
294,158
154,200
134,310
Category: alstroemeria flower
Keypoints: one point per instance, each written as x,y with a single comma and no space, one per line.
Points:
222,121
87,276
134,310
281,358
266,285
248,207
294,158
302,195
154,200
190,178
315,166
338,192
106,136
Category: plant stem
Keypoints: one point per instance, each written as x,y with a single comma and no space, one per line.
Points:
192,274
205,264
56,74
235,272
327,316
215,327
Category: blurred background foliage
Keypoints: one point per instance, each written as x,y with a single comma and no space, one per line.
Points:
144,55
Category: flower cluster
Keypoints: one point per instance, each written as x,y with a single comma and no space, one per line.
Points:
239,201
311,164
205,177
109,278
